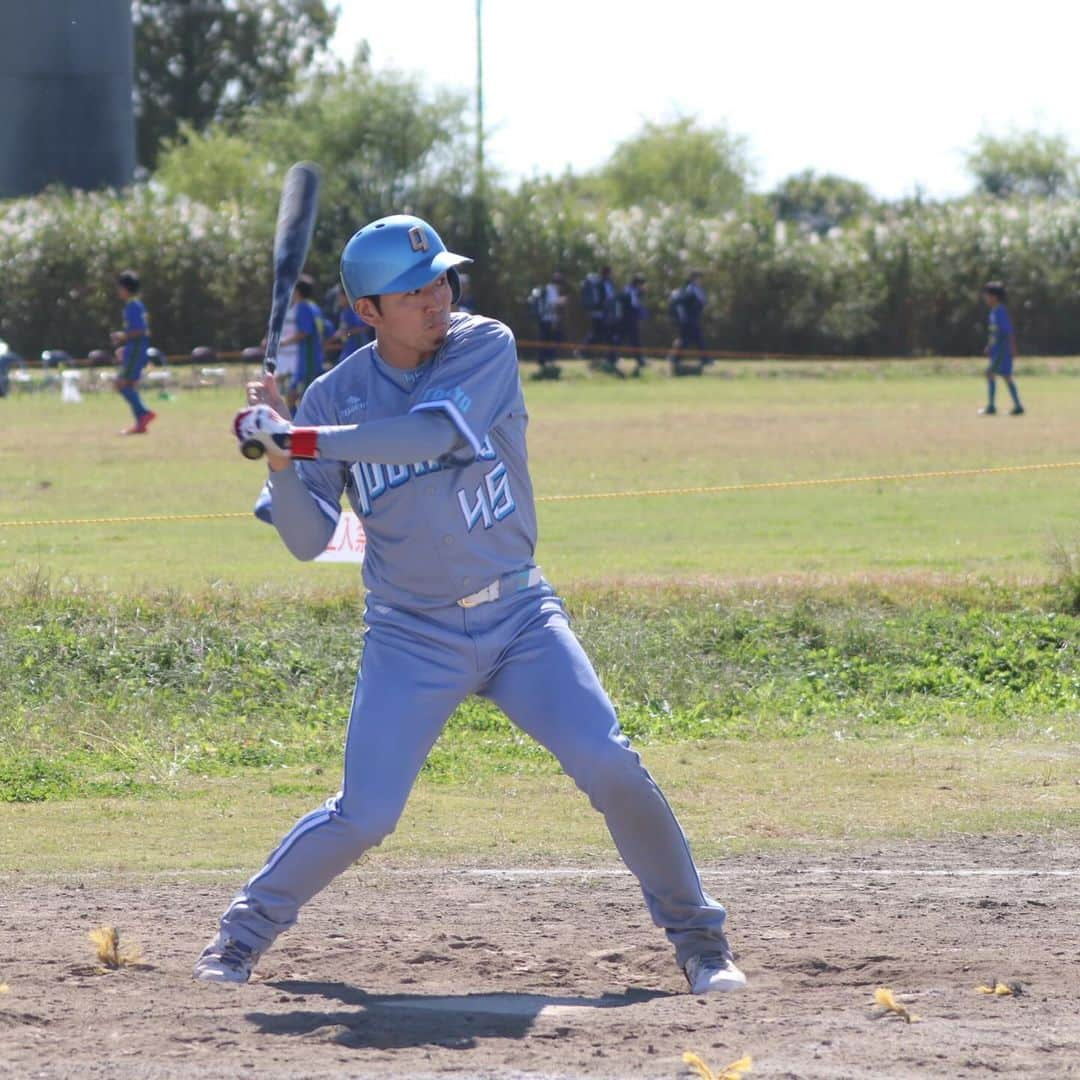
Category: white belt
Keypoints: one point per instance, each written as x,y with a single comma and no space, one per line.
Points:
524,579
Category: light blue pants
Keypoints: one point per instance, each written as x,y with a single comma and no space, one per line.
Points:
520,653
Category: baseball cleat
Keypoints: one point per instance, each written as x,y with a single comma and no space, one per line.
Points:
226,960
713,974
1018,411
144,421
987,410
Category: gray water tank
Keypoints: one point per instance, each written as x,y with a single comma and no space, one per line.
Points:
66,114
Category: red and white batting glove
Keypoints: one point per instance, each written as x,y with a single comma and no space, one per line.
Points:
260,426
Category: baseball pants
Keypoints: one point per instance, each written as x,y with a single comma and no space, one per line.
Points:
417,666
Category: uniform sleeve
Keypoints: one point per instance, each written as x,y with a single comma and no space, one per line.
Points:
477,384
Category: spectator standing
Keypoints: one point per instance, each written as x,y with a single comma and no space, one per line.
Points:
308,336
691,311
131,354
549,308
632,313
1000,349
599,297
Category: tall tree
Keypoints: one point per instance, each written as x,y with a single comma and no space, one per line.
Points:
820,201
1027,163
707,169
198,61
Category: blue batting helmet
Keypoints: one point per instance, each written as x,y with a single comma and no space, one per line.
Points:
396,254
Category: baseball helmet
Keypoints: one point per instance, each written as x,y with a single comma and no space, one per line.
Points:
397,254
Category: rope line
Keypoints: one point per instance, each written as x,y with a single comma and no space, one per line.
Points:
711,489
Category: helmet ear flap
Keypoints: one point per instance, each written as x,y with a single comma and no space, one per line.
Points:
454,279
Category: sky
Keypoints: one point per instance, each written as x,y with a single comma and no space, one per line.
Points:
892,95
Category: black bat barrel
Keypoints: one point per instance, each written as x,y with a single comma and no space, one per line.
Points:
66,114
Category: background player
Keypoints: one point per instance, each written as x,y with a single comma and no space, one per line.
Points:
308,338
1000,348
455,603
133,342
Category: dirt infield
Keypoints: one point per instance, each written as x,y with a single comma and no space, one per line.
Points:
404,971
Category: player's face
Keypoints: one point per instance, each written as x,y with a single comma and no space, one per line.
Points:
412,325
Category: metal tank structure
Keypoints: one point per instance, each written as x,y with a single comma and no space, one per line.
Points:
66,111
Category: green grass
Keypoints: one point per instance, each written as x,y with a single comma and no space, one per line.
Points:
809,795
108,695
592,436
889,658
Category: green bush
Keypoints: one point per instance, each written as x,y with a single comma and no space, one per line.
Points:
901,281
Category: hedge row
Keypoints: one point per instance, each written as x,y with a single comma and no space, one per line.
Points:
904,283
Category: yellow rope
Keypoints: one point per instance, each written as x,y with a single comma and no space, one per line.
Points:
767,484
712,489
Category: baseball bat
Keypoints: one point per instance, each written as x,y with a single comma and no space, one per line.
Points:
292,238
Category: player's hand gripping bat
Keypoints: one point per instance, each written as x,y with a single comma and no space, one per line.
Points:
292,238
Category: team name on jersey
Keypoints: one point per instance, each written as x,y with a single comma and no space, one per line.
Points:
490,502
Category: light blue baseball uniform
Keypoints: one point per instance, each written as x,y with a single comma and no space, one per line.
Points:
444,536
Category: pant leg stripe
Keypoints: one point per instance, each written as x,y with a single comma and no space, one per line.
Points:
286,845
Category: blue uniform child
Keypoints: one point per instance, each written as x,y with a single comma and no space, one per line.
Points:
423,432
308,339
132,353
1000,349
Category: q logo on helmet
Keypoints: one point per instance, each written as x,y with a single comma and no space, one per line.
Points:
417,239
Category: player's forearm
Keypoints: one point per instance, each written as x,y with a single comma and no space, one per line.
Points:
399,440
302,525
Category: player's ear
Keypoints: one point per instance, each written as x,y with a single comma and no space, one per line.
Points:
367,309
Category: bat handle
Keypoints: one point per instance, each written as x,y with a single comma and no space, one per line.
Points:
252,449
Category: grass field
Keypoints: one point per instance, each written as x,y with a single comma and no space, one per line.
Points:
888,639
591,437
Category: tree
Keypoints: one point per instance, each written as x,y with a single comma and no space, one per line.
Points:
706,169
383,143
820,202
1028,164
200,61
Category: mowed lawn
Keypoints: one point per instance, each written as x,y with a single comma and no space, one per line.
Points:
595,436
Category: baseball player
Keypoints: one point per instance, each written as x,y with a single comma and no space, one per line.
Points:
131,353
1000,350
424,432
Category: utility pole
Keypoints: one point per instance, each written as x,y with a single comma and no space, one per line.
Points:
479,273
479,96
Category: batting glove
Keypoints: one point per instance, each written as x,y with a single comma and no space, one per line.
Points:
260,431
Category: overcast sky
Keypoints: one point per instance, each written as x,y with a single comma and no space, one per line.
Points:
889,94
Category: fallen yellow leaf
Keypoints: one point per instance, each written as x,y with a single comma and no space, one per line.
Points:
885,998
734,1071
697,1065
106,941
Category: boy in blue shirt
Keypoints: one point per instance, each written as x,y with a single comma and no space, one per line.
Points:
308,339
132,344
1000,349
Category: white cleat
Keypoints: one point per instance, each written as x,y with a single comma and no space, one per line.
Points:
226,960
713,974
